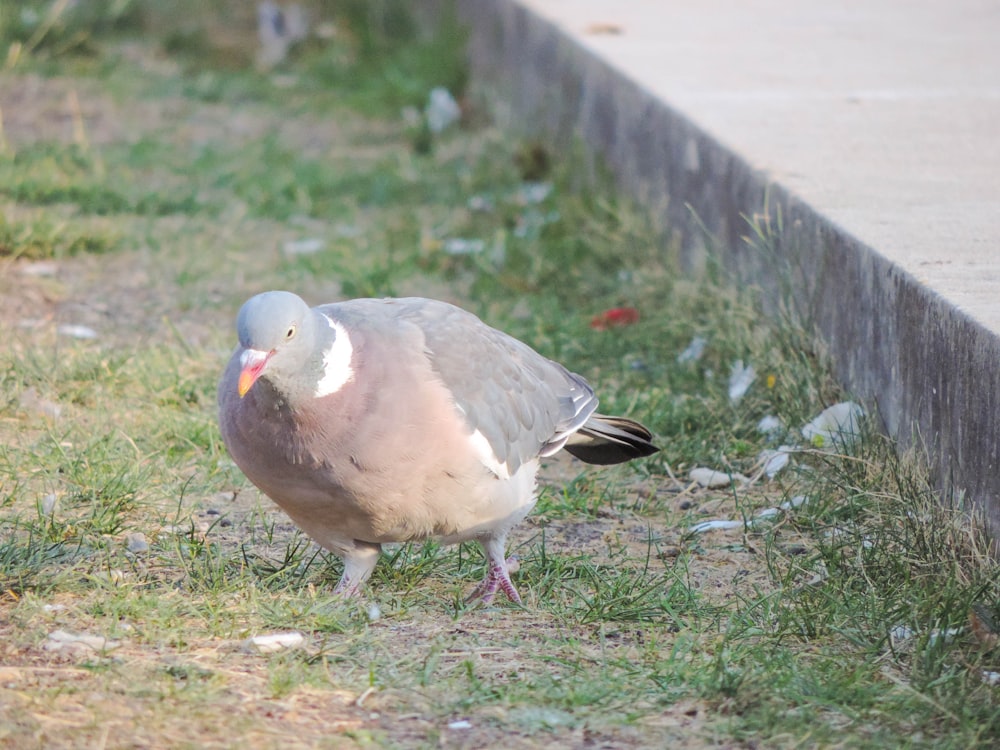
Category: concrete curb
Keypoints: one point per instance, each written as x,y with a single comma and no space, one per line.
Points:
931,369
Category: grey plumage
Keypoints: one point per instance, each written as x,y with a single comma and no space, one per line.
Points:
374,421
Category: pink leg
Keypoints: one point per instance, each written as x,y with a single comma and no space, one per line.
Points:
358,566
498,570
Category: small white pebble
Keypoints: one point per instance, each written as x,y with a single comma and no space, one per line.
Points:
136,542
461,246
442,110
794,502
719,525
693,351
32,402
374,613
481,203
63,640
701,528
835,426
77,331
943,635
712,479
534,192
274,642
461,724
770,424
991,678
740,379
49,504
40,268
901,633
774,461
818,578
309,246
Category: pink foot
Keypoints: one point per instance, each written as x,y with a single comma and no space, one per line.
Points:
497,578
347,588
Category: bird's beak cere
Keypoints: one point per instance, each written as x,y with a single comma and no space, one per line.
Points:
252,361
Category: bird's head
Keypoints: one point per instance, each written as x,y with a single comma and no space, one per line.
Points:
277,333
303,352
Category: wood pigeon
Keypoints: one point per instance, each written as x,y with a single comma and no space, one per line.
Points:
394,420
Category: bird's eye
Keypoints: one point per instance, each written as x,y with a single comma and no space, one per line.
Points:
290,332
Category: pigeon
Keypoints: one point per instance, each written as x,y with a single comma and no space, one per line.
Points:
373,421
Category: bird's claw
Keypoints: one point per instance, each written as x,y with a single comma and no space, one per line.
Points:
497,579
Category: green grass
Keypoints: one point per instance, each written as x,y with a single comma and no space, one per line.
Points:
827,626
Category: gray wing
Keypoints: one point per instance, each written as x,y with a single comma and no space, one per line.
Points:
525,405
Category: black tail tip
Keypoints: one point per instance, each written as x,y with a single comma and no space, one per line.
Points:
612,440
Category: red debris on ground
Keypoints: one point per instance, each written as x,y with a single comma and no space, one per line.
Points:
614,318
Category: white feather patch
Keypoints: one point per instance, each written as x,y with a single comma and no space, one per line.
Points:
485,452
336,362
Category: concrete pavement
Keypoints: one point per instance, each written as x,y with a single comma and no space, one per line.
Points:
869,131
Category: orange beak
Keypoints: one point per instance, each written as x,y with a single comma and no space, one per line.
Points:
252,361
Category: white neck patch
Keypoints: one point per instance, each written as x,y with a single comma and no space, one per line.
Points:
336,362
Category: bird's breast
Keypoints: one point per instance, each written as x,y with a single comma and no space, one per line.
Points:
385,459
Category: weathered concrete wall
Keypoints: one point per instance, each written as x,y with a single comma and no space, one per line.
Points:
931,370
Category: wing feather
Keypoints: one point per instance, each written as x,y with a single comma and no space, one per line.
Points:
523,404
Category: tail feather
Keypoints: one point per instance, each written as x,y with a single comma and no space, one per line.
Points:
611,440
